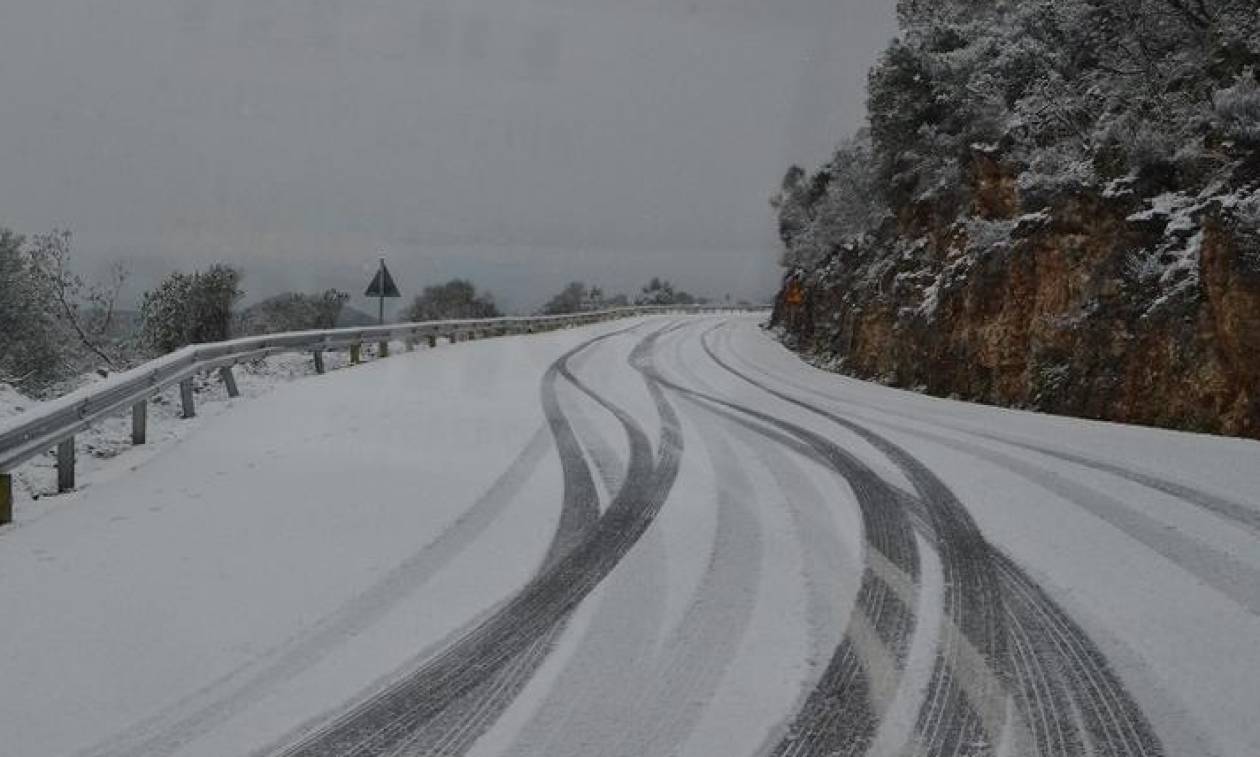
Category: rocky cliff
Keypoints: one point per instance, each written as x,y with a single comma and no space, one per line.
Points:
1102,305
972,251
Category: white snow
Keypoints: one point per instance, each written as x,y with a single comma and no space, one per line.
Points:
1186,650
258,567
182,574
110,437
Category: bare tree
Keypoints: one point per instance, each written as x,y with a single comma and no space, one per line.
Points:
71,301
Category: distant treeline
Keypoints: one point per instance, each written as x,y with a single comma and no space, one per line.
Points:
55,326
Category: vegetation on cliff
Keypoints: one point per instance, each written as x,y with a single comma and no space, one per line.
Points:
1056,204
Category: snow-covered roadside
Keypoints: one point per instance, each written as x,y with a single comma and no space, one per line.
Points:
326,539
98,446
215,589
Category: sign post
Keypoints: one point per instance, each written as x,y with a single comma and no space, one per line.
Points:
382,286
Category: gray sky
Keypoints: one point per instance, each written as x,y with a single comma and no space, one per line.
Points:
520,143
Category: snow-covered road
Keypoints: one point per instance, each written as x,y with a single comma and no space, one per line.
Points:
665,536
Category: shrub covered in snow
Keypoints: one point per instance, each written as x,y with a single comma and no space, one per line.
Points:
190,308
294,311
662,292
456,298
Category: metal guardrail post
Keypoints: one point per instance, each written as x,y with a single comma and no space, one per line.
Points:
355,356
186,399
229,381
6,498
65,465
139,421
432,340
319,361
382,349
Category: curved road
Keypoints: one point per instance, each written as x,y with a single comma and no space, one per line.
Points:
740,554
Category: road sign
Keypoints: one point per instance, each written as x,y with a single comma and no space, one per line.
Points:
382,284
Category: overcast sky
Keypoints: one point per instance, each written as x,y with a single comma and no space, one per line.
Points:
519,143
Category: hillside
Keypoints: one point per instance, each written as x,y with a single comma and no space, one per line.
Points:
1056,205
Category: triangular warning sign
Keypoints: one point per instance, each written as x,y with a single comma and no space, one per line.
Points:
382,285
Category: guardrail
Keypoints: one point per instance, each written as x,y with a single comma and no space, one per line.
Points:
54,424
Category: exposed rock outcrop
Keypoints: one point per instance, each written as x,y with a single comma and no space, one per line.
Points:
1054,205
1126,303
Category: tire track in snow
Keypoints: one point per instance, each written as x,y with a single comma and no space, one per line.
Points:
959,717
210,707
1073,668
1233,511
458,725
826,557
586,705
389,719
1215,567
213,705
610,465
695,655
841,714
465,720
597,703
1062,677
825,569
622,692
458,737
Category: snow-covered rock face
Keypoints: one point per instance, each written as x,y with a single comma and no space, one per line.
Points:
1040,228
1102,304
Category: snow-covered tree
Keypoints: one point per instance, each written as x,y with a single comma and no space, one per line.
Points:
295,311
1073,92
455,299
54,325
190,308
661,292
572,299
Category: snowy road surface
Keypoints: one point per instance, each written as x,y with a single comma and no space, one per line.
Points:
653,537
